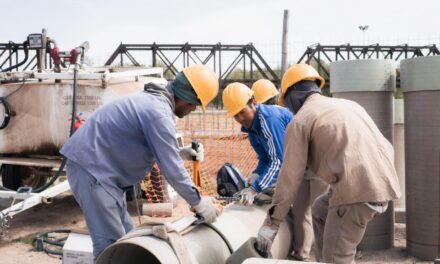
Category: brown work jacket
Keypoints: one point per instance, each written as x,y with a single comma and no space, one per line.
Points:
342,145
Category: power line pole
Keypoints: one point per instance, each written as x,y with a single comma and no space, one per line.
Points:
284,43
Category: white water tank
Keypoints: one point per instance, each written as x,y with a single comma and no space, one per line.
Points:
42,111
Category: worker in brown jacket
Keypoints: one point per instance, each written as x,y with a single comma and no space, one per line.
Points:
340,143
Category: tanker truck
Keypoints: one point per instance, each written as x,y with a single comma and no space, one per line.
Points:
41,107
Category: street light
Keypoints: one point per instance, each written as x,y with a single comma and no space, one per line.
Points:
363,29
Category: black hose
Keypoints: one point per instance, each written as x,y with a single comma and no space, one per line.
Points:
53,252
26,55
55,242
7,114
75,84
54,178
72,130
43,238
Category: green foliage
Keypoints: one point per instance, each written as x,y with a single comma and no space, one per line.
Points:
27,239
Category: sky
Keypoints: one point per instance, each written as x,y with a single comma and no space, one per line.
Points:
107,23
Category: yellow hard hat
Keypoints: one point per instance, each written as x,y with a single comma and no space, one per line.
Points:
235,97
295,74
264,90
204,81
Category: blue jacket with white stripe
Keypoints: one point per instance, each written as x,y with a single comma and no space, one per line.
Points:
267,139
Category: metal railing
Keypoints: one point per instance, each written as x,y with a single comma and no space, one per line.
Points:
254,66
13,53
321,55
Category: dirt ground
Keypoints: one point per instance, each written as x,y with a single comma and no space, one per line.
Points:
64,213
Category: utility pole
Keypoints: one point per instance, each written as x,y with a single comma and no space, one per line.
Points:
284,43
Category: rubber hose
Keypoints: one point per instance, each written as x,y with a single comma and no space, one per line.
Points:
26,54
72,130
45,239
8,112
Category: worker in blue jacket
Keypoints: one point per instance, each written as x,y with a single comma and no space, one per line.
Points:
266,126
118,144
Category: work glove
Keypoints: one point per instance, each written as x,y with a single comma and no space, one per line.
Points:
251,180
247,196
187,153
265,238
206,208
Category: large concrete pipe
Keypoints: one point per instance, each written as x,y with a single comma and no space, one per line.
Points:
420,81
399,155
204,244
371,84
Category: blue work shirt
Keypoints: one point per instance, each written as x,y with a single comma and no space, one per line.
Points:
267,138
119,143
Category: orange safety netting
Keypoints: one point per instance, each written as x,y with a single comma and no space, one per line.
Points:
223,142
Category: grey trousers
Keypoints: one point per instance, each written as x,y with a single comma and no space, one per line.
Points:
339,229
107,219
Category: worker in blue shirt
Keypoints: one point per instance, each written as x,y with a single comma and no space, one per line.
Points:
266,126
119,143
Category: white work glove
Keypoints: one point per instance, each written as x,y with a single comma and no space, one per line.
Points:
206,208
265,238
251,180
187,153
247,196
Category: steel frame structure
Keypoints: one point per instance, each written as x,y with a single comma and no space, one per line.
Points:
321,54
189,54
11,53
